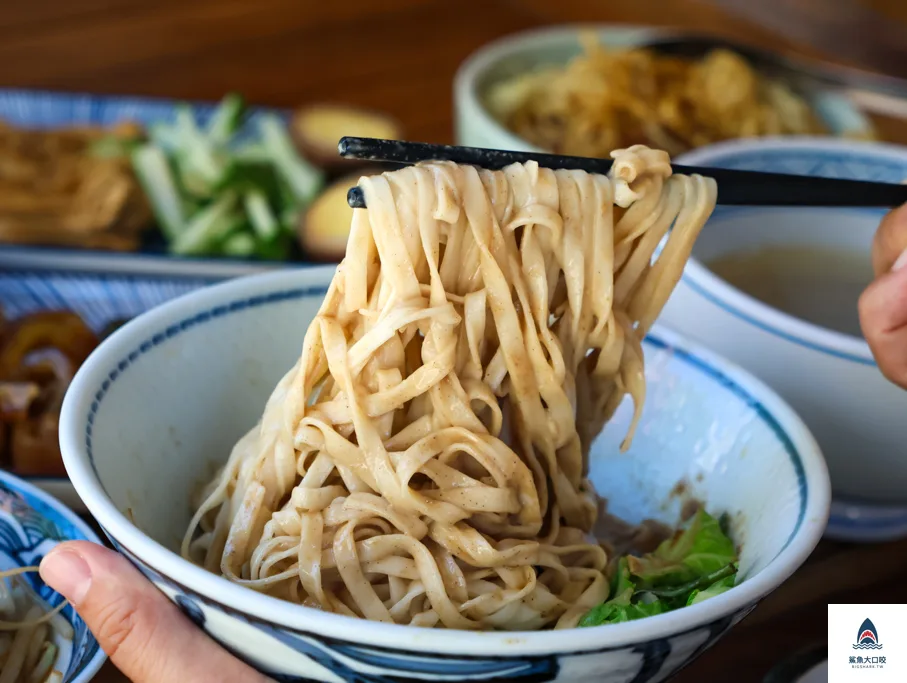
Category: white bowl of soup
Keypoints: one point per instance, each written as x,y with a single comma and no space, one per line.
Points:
776,290
159,406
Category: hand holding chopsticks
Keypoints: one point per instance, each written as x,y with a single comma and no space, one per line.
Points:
735,188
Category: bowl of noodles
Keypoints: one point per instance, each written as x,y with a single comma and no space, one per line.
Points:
42,639
464,454
587,90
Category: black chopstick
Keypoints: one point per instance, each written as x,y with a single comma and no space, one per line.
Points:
735,188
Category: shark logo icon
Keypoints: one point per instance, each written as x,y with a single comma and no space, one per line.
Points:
867,637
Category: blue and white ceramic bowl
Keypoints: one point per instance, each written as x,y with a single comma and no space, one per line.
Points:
31,524
164,399
830,378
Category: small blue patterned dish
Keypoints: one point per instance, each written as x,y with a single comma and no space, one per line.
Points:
164,398
31,524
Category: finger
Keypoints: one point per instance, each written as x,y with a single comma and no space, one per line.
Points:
143,633
890,240
883,318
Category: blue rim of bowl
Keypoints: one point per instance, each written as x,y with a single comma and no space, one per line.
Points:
718,292
46,505
857,521
709,296
76,436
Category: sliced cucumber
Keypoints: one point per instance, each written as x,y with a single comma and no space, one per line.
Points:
303,179
164,135
198,156
213,194
240,244
153,172
260,215
226,119
289,219
254,152
191,180
184,123
208,227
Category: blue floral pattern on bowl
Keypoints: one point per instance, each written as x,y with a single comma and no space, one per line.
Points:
31,524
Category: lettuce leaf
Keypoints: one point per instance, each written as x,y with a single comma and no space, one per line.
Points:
698,563
717,588
614,610
681,592
611,613
622,586
626,603
699,550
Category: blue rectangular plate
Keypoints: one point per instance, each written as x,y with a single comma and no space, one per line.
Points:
39,109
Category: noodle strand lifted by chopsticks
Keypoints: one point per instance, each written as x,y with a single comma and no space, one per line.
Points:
425,460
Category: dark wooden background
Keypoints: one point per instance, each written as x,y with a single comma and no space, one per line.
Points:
395,55
400,56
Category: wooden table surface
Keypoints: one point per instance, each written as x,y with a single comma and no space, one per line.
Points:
399,56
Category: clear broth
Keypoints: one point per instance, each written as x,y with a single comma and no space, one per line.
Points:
820,285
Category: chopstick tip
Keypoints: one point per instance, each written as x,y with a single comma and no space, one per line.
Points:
355,198
343,146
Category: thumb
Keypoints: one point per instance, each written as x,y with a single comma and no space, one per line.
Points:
883,318
890,240
145,635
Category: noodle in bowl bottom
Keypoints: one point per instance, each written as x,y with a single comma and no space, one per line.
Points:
159,405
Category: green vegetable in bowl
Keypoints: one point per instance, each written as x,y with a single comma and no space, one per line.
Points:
222,190
711,591
698,550
698,563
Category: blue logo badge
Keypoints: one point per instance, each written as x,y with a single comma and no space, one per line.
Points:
867,637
